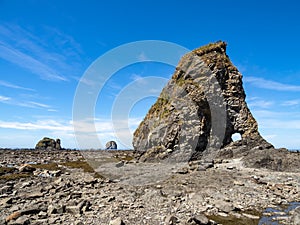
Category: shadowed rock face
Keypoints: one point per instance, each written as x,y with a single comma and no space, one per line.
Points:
198,111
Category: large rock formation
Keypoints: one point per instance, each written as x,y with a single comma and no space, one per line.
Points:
198,111
48,144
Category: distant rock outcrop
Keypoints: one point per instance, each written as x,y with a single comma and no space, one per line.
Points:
198,111
48,144
111,145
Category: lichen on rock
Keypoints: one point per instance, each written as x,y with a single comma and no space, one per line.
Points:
198,111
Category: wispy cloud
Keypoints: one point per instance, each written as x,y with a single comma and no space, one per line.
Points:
293,102
14,86
4,98
38,125
261,103
25,61
41,105
271,85
26,50
28,104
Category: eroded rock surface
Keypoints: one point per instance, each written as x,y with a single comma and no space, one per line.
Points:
198,111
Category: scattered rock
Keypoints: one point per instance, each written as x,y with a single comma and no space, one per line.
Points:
6,189
117,221
296,216
120,164
171,220
23,220
77,197
199,220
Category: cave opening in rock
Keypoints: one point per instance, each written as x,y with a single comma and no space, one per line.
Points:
236,137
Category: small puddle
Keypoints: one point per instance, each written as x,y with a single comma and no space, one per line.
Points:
279,215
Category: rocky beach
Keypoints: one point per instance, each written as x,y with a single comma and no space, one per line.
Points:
64,187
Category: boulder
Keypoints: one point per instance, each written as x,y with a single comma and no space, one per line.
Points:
111,145
48,144
198,111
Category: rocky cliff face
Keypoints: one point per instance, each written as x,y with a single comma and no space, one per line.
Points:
198,111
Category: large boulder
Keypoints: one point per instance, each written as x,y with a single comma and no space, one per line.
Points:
198,111
48,144
111,145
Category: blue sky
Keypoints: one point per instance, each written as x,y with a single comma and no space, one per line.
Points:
46,47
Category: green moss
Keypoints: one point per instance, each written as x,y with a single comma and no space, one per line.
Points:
5,170
218,46
49,166
79,165
85,166
125,158
14,176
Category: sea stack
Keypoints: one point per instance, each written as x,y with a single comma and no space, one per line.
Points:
198,111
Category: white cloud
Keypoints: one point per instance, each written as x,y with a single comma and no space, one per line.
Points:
38,125
14,86
27,104
27,50
291,102
4,98
17,57
271,85
260,103
52,110
41,105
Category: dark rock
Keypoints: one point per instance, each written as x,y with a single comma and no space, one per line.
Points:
111,145
6,189
120,164
48,144
199,220
198,111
